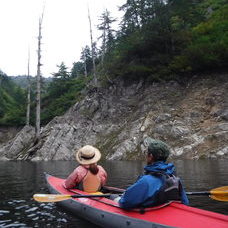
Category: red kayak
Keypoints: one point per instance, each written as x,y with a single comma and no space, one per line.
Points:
106,213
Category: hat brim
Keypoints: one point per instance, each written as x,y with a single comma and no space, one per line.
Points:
95,159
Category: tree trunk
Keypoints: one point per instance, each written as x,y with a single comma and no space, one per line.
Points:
85,66
92,47
28,94
38,80
104,45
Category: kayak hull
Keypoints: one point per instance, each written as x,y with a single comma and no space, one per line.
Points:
101,217
106,213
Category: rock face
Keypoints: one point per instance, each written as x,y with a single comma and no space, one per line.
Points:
7,133
192,119
18,146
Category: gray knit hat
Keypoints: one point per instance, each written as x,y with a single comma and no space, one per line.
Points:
158,149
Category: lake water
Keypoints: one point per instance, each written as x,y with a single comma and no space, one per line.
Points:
19,180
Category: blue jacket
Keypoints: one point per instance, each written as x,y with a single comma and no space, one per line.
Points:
147,186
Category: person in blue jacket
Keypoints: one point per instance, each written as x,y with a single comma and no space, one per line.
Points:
158,185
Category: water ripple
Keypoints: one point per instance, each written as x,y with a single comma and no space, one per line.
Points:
4,212
21,225
23,179
31,209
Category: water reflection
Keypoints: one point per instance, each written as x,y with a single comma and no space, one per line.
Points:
20,180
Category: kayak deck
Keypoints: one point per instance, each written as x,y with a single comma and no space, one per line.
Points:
173,215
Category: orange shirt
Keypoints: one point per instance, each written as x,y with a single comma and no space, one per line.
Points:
80,172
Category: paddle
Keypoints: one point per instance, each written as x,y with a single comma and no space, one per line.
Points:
220,194
58,197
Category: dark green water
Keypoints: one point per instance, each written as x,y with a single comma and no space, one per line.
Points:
20,180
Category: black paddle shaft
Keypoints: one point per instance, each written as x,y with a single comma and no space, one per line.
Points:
198,193
90,196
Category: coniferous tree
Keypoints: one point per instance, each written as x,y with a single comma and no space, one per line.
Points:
86,58
77,69
107,33
59,84
62,72
131,18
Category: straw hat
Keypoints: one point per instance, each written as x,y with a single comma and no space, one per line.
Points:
88,155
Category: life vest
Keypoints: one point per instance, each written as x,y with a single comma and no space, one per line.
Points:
170,190
90,183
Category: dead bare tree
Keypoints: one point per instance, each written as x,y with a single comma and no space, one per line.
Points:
85,65
38,79
28,93
93,50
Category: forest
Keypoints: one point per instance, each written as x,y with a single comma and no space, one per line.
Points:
157,40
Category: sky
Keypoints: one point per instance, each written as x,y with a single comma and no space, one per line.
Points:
65,31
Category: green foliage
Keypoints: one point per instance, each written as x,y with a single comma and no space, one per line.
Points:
135,71
209,45
61,96
62,73
210,41
107,32
77,69
159,40
86,57
12,102
180,64
57,97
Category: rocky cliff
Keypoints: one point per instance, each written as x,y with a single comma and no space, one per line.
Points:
192,118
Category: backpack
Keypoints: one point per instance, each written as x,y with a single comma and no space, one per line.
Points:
170,190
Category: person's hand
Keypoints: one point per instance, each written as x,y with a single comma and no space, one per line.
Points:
117,199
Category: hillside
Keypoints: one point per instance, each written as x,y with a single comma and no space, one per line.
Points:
191,118
157,41
12,102
22,81
159,75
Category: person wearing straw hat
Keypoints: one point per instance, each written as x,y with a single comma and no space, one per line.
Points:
88,176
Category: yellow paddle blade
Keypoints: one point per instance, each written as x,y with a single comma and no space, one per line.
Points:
219,198
220,193
95,193
50,197
221,190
